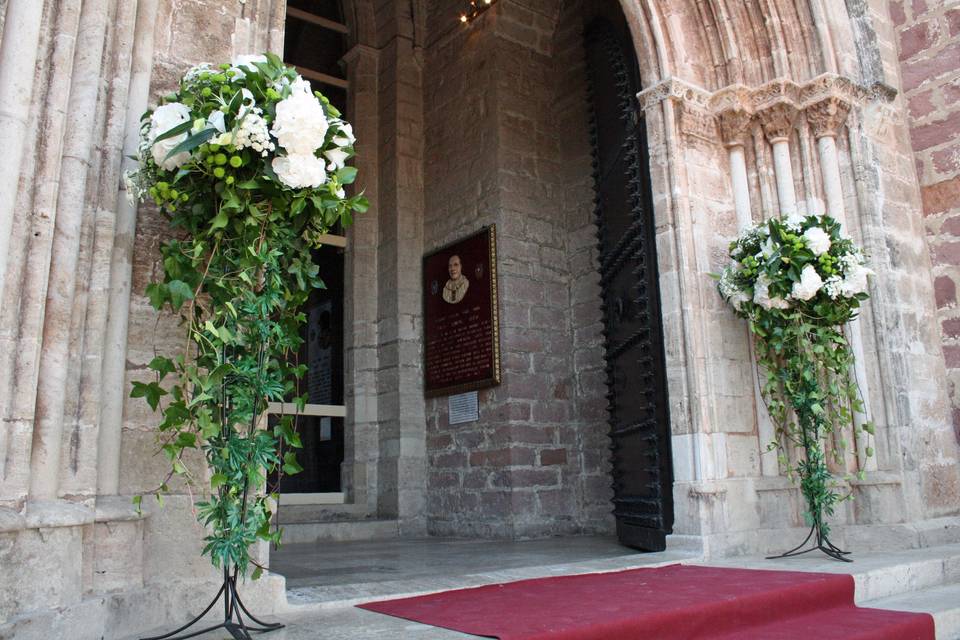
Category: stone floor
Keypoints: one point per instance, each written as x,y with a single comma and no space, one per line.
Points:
324,581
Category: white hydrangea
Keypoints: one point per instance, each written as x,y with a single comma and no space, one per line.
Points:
300,125
253,133
818,241
794,221
730,291
809,285
855,281
832,286
194,72
852,260
300,171
164,118
761,295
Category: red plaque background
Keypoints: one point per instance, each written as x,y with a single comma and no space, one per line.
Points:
462,339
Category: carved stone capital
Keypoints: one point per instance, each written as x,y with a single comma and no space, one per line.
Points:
734,125
673,89
827,116
698,122
777,120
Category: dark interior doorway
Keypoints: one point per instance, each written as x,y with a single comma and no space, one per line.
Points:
636,371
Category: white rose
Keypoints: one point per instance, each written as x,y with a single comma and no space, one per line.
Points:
167,117
817,240
344,136
810,283
855,281
300,171
337,158
794,221
761,294
300,124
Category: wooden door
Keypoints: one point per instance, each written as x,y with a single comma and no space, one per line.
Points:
636,373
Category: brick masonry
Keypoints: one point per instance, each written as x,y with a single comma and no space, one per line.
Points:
928,36
506,111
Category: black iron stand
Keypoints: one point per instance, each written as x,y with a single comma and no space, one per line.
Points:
233,621
821,543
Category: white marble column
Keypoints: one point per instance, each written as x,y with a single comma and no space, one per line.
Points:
826,117
18,59
777,121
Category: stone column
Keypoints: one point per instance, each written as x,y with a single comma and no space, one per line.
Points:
18,57
121,263
361,447
735,129
777,120
826,117
61,288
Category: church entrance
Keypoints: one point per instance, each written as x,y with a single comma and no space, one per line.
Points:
635,366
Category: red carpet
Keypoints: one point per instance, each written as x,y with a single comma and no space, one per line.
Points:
677,602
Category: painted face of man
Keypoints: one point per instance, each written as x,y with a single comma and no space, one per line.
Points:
453,267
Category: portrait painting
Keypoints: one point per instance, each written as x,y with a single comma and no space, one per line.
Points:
461,324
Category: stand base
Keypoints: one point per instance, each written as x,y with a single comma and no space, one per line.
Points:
233,621
821,543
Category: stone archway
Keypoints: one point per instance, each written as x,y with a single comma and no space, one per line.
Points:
736,134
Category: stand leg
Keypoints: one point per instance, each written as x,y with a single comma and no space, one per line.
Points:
233,622
822,543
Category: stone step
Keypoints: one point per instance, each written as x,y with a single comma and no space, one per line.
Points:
942,602
342,531
305,513
877,574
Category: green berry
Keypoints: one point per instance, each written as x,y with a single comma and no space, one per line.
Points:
220,159
219,172
230,180
206,92
214,147
236,161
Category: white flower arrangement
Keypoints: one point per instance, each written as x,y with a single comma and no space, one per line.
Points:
249,126
799,281
803,262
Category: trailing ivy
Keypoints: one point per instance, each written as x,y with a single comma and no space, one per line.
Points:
237,273
798,282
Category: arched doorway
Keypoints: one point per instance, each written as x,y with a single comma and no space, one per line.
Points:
635,362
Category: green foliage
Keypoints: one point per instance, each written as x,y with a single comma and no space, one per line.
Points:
237,274
797,322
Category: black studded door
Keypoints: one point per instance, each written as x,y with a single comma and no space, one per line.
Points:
636,373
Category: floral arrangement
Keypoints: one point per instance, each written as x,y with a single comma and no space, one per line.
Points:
250,167
799,281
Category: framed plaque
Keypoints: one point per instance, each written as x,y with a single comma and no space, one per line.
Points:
461,324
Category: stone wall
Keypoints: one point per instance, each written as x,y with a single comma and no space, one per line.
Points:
507,144
462,126
928,41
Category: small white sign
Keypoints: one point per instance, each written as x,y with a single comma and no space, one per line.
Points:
464,407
